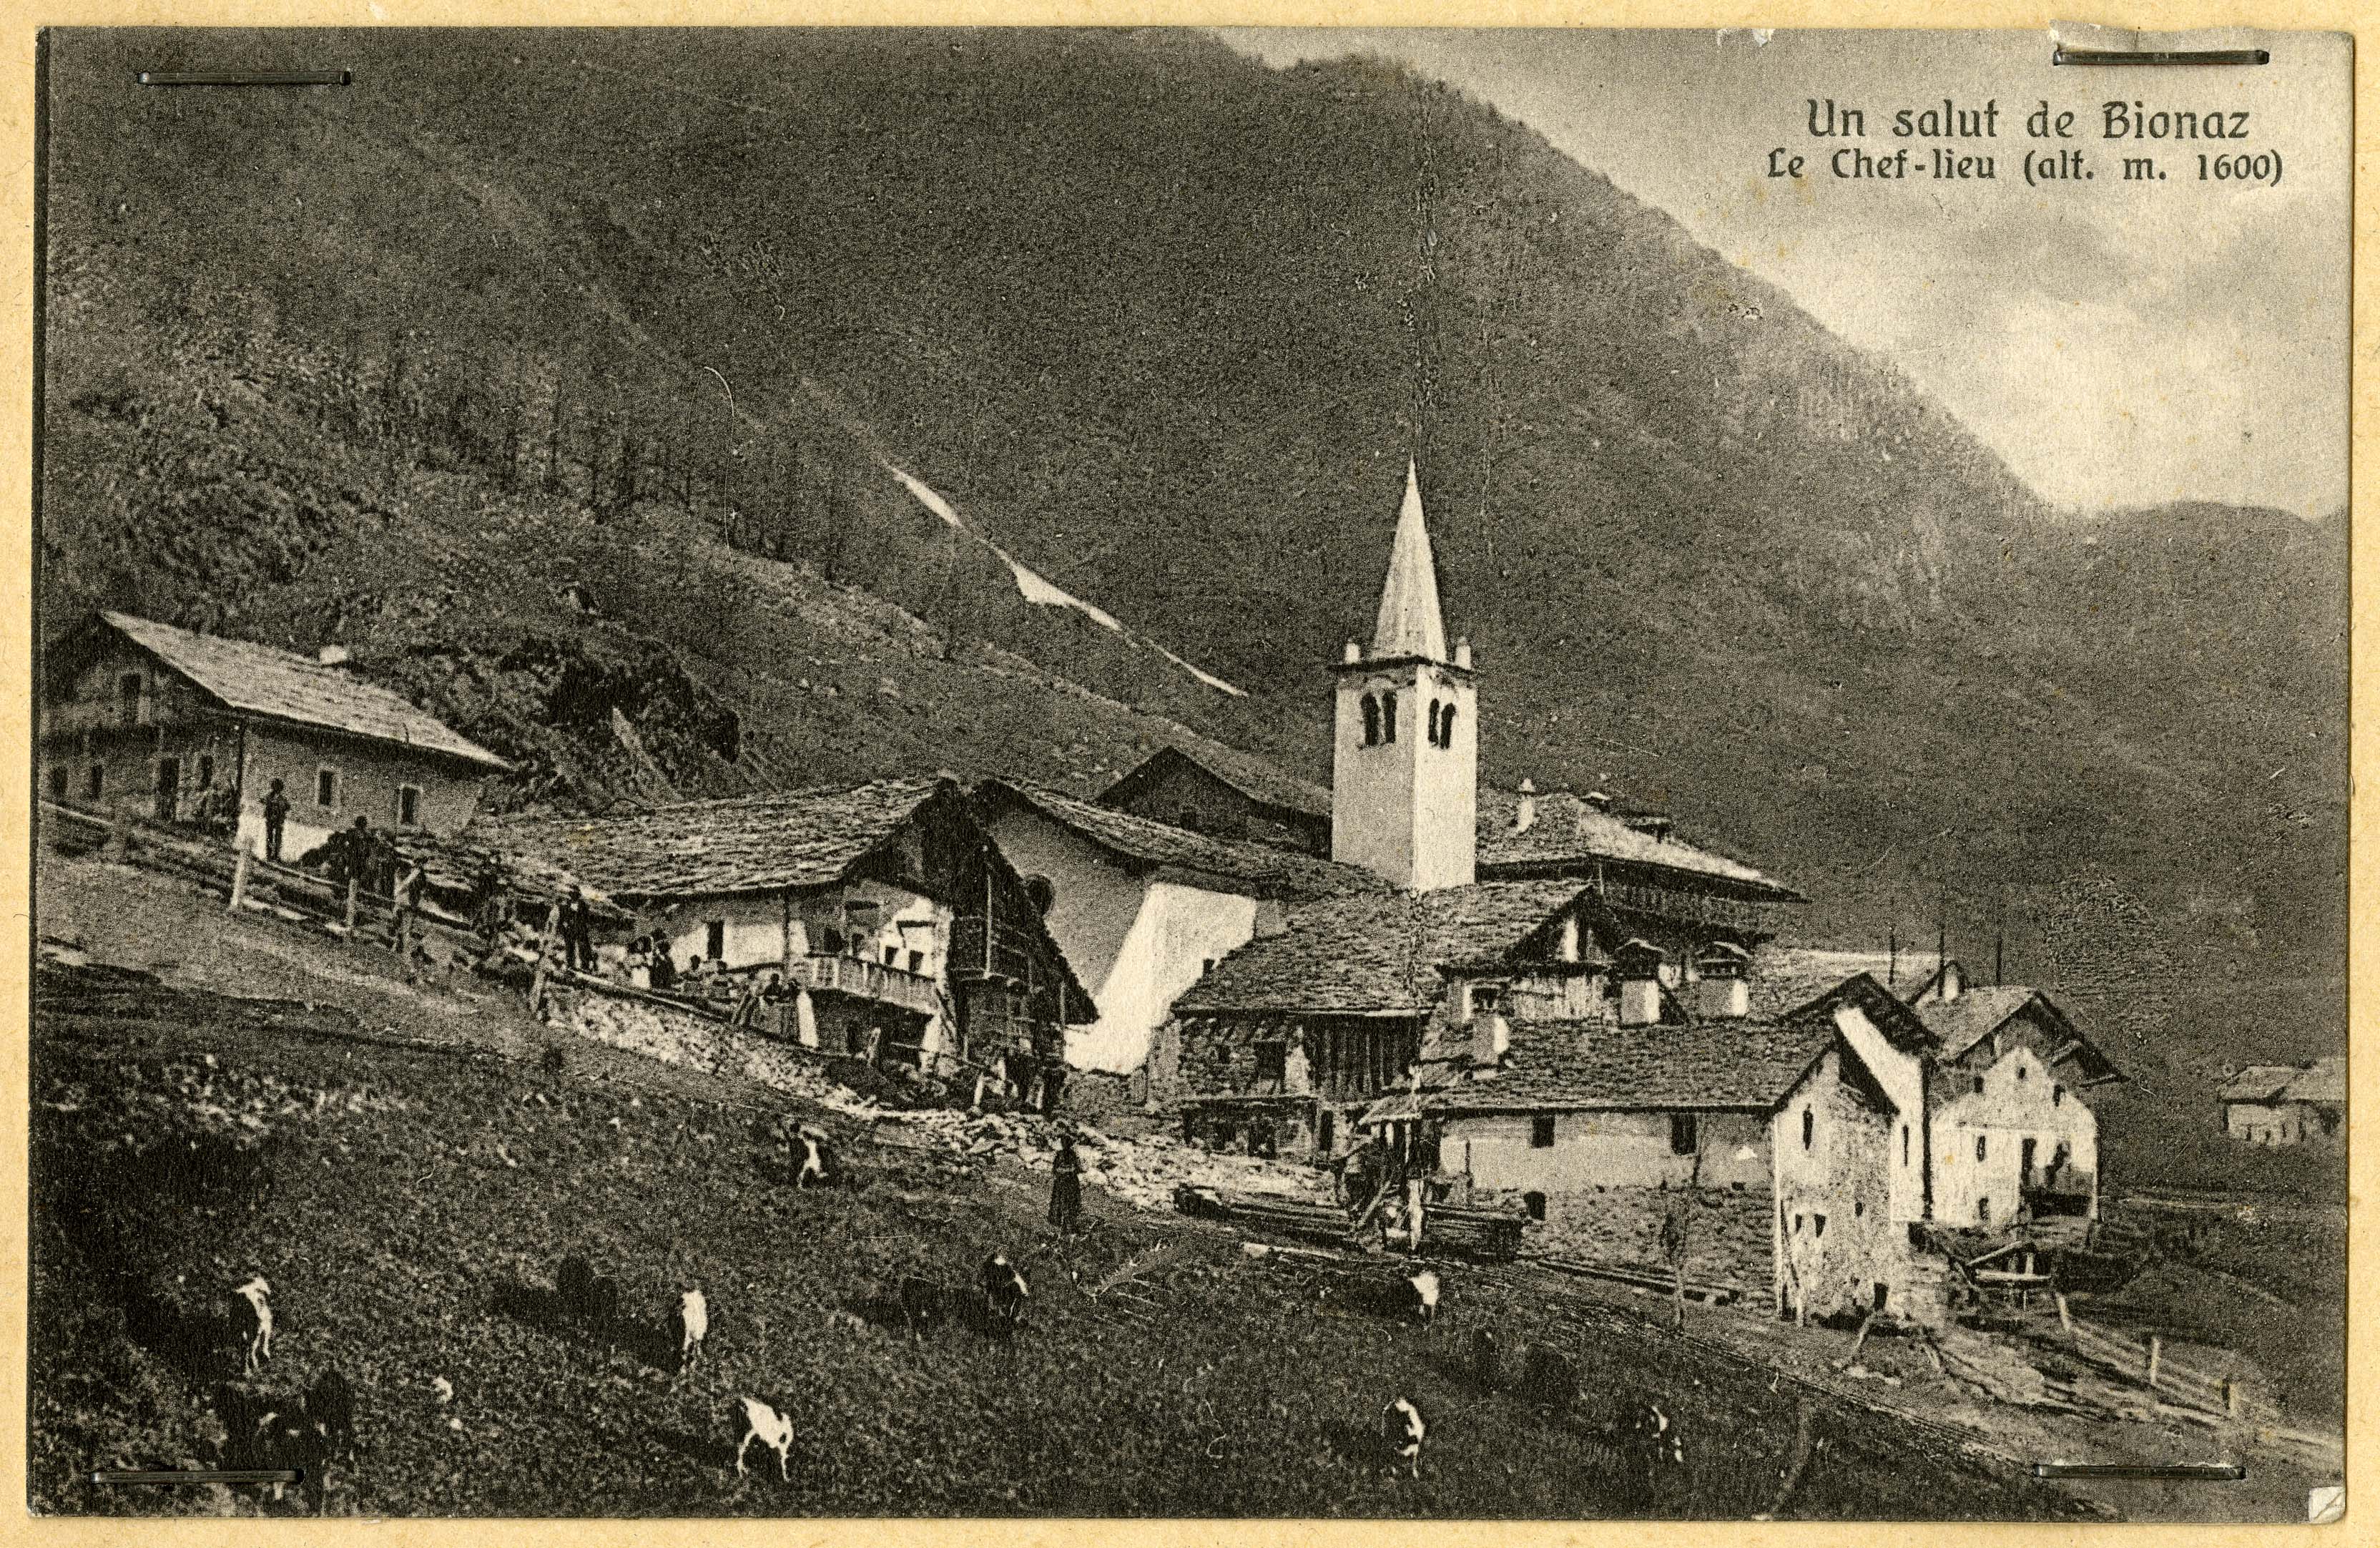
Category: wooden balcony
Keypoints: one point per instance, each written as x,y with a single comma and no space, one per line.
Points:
861,978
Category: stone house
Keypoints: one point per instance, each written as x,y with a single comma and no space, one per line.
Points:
908,936
2287,1104
143,720
1143,908
1225,794
1286,1043
2014,1134
1767,1145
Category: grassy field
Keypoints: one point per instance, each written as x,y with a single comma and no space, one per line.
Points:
410,1203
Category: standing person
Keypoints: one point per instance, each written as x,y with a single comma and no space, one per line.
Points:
640,963
1066,1186
664,968
579,932
277,817
408,907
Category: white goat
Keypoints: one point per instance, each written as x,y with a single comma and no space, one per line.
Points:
813,1167
694,1325
771,1428
257,1337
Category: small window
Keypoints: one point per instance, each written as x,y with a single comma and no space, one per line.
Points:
1984,1210
206,771
128,688
1541,1131
918,962
1809,1128
1325,1131
1859,1209
1272,1066
95,784
892,957
1433,722
58,781
1982,1146
1979,1085
1445,727
408,806
1881,1295
1485,999
1681,1134
2020,1072
1388,717
1797,1225
1536,1204
1817,1225
326,787
1904,1144
1371,721
714,940
2058,1096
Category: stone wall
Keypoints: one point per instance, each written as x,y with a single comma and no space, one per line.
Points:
646,1026
1728,1240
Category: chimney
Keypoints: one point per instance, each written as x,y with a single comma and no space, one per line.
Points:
331,655
1462,653
1351,652
1948,982
1723,993
1524,816
1637,965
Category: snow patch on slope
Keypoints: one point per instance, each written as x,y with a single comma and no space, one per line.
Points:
1040,590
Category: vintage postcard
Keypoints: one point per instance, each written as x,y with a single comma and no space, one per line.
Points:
1171,773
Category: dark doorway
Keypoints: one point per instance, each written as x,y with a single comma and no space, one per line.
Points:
1882,1294
169,787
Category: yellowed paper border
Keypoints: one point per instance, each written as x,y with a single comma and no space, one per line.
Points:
16,121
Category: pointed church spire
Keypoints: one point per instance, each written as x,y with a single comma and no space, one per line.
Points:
1409,624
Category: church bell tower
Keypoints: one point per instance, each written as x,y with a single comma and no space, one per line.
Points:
1405,786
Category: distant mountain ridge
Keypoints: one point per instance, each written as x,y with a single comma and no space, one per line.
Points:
1162,327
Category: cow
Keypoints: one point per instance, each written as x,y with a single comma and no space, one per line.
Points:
1402,1429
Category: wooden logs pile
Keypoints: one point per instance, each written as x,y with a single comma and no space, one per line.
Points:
1263,1211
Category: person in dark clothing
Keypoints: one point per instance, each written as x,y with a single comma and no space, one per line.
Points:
1066,1188
664,968
277,817
579,932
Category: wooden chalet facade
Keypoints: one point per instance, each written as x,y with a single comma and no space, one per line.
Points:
906,936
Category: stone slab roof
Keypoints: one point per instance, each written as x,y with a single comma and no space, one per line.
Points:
263,680
1235,865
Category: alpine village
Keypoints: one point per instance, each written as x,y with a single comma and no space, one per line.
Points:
484,1068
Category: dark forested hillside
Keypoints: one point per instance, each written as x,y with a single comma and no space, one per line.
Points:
656,312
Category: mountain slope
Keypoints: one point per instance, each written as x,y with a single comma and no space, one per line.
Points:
661,316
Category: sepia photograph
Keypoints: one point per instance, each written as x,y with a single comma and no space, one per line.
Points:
1157,772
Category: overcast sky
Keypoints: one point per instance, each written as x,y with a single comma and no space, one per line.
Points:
2119,344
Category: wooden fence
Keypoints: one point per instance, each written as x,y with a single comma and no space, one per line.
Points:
248,882
2144,1359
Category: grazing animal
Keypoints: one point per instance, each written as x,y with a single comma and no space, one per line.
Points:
1422,1286
1487,1358
693,1326
1004,1291
1658,1440
1548,1378
921,1302
257,1337
603,1306
813,1167
572,1282
771,1428
1401,1428
331,1404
